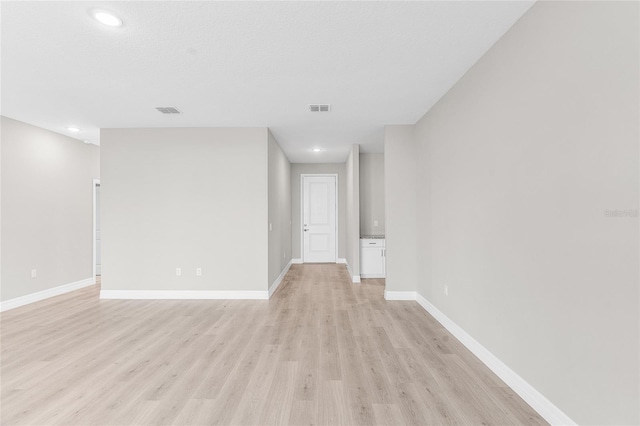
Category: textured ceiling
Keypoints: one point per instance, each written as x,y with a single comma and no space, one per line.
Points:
243,64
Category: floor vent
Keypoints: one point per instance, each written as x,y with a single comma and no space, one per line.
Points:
319,108
168,110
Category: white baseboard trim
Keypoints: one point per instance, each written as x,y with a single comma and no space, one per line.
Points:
300,261
528,393
399,295
354,278
278,280
375,276
45,294
184,294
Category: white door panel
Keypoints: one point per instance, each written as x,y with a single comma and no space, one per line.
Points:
319,218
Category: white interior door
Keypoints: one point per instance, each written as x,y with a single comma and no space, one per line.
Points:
319,219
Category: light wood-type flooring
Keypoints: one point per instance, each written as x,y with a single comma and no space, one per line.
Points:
321,351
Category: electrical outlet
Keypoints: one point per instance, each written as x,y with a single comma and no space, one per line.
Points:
178,272
198,272
34,273
446,290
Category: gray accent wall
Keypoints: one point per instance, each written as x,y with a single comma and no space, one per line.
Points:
47,208
372,194
279,210
298,169
189,198
526,198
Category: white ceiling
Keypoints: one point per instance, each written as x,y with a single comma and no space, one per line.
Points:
243,64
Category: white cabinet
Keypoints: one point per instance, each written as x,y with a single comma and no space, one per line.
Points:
372,258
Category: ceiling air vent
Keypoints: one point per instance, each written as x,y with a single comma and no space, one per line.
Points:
168,110
319,108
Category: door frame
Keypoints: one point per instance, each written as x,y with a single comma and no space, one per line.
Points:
302,176
96,184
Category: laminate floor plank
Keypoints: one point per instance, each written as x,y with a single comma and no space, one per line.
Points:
254,399
321,351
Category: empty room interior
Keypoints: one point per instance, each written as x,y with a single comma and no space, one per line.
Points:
320,213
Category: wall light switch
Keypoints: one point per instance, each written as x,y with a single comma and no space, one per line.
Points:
178,272
375,223
34,273
198,272
271,227
446,290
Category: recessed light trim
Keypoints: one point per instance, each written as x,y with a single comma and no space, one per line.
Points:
73,129
107,18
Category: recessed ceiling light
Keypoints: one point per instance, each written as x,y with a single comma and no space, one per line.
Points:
87,141
73,129
317,149
107,18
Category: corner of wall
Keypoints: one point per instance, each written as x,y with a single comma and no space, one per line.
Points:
278,226
400,208
353,211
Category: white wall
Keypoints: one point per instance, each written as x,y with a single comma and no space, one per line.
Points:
353,212
298,169
98,248
47,209
400,208
279,210
189,198
518,165
371,194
